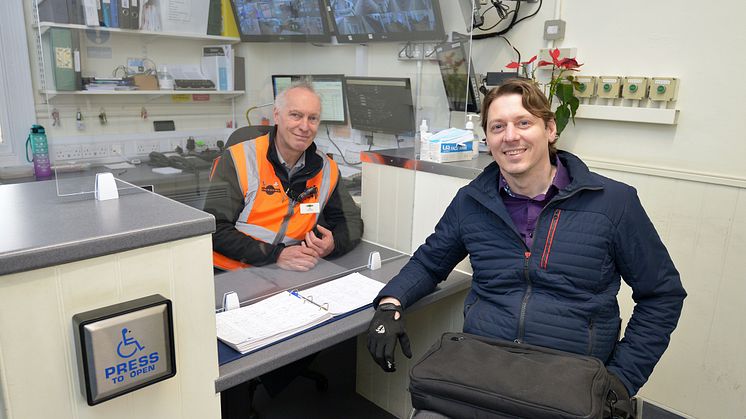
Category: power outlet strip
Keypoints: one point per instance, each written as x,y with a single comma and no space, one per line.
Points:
94,151
67,152
145,147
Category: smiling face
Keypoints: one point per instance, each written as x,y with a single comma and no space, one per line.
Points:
519,141
297,117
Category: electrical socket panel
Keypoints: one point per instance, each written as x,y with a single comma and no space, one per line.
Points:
608,87
146,147
585,87
94,151
663,88
116,150
67,152
634,88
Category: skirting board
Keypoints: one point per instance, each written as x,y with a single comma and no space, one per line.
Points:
628,114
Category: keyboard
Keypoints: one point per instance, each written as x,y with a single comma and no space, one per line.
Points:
193,84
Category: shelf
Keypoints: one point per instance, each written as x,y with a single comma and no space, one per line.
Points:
628,114
227,93
46,25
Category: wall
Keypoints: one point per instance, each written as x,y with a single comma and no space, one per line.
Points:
38,365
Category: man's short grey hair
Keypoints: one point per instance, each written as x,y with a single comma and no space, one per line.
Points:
303,83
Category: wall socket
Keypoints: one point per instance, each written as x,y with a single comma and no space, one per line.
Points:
67,152
116,150
94,151
415,51
146,147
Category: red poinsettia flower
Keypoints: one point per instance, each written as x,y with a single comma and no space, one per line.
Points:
565,63
516,64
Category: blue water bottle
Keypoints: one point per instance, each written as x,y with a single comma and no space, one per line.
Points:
37,140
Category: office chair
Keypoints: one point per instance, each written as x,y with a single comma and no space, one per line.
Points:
247,133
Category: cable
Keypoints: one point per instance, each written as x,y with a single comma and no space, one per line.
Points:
342,154
512,23
514,48
499,22
532,14
256,107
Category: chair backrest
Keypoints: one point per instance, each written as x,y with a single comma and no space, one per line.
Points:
247,133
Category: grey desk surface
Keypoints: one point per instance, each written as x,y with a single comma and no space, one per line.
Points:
404,157
285,352
40,229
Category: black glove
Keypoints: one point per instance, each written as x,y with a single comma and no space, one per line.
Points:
383,333
618,403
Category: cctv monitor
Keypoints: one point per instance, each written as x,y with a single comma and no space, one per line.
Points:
281,20
331,89
381,104
360,21
458,78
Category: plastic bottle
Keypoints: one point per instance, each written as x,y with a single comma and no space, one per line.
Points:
37,139
424,145
475,144
165,80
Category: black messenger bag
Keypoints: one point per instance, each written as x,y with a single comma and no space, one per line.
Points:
469,376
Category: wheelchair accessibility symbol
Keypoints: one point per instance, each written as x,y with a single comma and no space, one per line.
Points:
128,346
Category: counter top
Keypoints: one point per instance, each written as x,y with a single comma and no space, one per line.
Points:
40,229
405,158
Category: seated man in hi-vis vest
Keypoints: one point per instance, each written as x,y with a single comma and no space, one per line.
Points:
285,203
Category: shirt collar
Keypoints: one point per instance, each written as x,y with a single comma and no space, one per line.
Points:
560,181
301,163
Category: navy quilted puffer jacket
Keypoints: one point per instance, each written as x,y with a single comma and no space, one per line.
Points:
561,293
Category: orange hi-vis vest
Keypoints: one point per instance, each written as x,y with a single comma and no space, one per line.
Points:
269,214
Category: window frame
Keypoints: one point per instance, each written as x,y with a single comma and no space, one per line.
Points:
17,108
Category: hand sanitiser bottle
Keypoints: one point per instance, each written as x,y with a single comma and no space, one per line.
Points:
424,141
475,144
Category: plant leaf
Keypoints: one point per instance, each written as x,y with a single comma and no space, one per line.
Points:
513,64
561,117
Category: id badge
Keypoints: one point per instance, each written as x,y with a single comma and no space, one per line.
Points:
310,208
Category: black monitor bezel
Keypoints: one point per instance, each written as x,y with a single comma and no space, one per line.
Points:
473,103
326,37
320,77
437,34
408,82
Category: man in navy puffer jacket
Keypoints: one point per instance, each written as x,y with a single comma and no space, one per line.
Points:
549,242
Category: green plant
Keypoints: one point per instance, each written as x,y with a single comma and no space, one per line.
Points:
560,85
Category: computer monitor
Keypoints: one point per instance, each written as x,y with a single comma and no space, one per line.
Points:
281,20
462,87
381,104
360,21
331,89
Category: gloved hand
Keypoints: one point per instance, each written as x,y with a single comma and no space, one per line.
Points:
383,332
618,403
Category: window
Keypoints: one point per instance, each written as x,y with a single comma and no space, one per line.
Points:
17,111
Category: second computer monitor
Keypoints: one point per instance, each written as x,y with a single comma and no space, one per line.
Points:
331,89
381,104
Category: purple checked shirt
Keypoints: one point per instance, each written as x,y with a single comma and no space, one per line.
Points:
524,211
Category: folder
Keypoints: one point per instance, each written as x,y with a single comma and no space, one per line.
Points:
106,12
135,14
114,9
61,58
75,12
229,20
90,12
53,11
288,313
124,14
214,18
100,10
